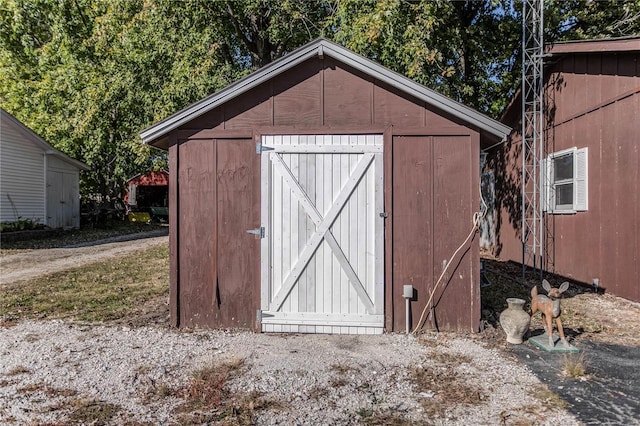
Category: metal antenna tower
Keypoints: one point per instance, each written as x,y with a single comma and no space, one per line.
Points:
532,133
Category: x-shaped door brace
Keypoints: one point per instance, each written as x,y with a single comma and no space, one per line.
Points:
323,231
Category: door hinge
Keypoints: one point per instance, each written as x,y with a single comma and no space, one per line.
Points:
261,148
260,314
383,214
258,231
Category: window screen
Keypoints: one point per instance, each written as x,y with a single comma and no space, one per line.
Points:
563,168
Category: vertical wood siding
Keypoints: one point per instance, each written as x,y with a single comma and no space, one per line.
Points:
455,183
237,252
323,96
432,217
595,103
175,287
218,190
412,223
197,232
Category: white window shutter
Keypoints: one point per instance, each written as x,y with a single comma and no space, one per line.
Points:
545,184
581,202
551,189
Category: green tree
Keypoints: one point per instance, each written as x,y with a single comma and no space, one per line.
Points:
463,49
263,30
469,50
88,76
580,19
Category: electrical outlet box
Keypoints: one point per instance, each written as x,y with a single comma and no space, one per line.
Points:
408,292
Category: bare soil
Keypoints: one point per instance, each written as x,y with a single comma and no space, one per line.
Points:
586,314
29,264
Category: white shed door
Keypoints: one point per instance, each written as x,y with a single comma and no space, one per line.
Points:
322,255
63,207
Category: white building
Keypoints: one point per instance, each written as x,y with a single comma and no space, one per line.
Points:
37,181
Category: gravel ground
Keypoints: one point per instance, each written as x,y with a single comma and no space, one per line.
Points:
59,373
48,369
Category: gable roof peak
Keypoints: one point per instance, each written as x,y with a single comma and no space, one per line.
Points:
321,47
45,146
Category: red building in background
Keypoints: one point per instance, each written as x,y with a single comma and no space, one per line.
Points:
149,192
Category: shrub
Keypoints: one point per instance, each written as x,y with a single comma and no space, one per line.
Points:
20,225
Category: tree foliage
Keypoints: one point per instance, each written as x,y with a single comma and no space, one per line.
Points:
463,49
579,19
88,75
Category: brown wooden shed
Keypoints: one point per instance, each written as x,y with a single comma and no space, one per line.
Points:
592,173
306,195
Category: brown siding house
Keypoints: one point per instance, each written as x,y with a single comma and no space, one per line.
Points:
307,194
592,140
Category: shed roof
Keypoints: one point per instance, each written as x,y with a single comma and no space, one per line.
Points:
41,143
322,47
621,44
150,177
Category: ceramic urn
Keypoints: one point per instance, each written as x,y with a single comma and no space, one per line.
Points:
514,320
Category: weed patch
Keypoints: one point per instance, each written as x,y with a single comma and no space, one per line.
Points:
206,389
18,369
522,416
338,382
428,340
389,419
49,391
447,388
88,411
20,225
32,337
32,387
365,413
208,399
343,369
318,392
573,318
574,365
451,359
548,398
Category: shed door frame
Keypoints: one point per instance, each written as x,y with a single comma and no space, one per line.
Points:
364,163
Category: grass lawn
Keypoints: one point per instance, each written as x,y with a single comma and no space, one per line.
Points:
76,236
121,288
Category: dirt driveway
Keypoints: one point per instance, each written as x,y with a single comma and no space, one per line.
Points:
32,263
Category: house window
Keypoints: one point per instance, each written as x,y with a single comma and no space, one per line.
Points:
564,179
